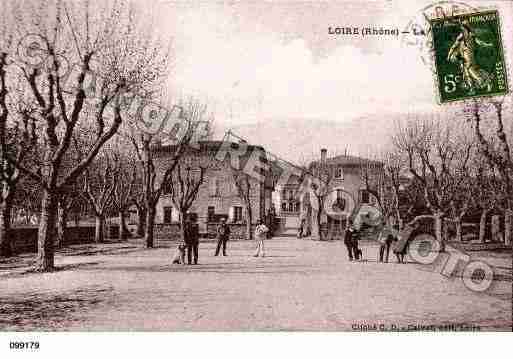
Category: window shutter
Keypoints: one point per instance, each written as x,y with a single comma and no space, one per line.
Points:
175,215
231,214
213,187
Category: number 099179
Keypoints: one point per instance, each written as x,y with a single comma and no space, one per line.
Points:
24,345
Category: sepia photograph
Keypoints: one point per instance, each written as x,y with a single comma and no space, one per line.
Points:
254,166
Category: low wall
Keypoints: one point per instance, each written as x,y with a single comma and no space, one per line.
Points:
489,246
24,239
166,233
237,230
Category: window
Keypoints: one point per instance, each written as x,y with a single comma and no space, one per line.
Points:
168,214
340,201
339,173
297,207
211,211
192,216
364,196
237,214
166,188
214,187
284,206
291,207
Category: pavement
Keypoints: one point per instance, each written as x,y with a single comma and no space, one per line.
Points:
300,285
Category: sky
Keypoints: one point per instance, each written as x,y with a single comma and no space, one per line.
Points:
254,61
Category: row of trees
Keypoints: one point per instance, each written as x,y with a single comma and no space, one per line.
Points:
76,79
437,168
443,169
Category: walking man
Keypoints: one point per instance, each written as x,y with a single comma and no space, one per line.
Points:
261,231
223,234
191,241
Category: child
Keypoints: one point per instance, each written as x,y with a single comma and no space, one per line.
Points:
179,256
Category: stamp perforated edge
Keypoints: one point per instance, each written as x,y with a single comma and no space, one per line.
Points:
507,71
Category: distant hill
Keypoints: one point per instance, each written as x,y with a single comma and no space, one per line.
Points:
298,139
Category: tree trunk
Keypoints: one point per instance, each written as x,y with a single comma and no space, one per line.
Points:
482,225
5,226
62,218
318,216
508,223
438,230
141,217
149,226
458,225
99,229
400,222
249,219
182,226
123,230
46,233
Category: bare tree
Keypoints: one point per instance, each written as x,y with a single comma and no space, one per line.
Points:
436,161
485,192
67,200
99,187
393,170
373,178
17,129
181,135
243,185
125,186
109,44
319,178
496,150
186,180
140,204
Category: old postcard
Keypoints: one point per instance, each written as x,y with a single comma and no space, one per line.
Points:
185,166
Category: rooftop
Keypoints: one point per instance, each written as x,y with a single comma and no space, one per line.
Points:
348,160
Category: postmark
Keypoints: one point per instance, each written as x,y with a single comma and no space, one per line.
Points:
417,32
469,56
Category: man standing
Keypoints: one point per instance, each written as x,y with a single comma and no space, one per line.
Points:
385,239
191,241
223,234
349,241
302,227
260,233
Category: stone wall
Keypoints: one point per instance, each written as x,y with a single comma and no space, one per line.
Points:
168,233
237,230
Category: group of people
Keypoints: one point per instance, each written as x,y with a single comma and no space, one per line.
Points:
399,241
387,239
190,242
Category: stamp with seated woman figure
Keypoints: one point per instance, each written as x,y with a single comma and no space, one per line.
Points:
469,56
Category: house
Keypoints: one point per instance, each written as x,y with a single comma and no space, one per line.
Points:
218,196
344,191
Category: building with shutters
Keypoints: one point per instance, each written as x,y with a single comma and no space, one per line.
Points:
218,196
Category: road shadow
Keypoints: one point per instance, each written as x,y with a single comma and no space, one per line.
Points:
50,311
32,271
224,268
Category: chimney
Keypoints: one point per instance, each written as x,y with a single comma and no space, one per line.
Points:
323,155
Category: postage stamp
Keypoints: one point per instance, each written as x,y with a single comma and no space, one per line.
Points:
469,56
